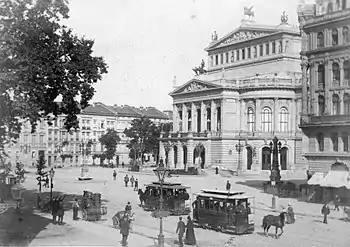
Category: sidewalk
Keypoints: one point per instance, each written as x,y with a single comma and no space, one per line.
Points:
84,233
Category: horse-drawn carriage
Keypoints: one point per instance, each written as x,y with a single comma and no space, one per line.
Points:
91,207
176,198
224,211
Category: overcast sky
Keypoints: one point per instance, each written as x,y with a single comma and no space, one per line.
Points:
147,42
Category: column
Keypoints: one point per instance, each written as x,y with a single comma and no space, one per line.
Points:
293,106
222,115
171,157
242,116
304,85
328,80
194,117
184,118
203,117
258,51
341,67
161,150
180,158
340,36
213,115
233,56
175,118
275,116
257,115
190,153
313,83
341,96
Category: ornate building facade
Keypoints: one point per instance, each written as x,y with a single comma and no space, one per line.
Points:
251,92
325,120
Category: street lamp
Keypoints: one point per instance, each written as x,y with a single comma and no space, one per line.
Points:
52,174
275,176
239,148
161,173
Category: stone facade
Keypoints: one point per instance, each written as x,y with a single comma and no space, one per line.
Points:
325,65
250,93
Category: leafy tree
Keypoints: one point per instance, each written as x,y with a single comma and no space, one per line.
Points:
142,136
40,171
42,60
110,141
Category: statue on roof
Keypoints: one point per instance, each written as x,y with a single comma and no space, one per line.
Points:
249,12
284,18
200,70
214,36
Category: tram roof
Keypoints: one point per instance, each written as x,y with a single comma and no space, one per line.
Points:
224,197
222,192
175,186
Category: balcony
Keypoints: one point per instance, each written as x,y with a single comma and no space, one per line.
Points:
328,120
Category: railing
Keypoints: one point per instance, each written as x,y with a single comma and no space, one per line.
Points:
329,119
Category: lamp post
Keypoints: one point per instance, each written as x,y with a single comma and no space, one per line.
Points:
52,174
239,148
275,176
161,173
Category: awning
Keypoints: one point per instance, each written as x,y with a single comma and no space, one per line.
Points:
316,179
336,179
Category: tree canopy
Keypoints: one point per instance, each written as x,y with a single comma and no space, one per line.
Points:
110,141
41,61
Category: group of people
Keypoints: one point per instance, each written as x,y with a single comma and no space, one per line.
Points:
133,182
57,209
187,230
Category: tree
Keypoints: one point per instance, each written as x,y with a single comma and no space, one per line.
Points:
42,61
110,141
142,137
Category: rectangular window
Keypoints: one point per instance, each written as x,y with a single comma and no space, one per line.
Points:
227,57
249,51
267,48
41,140
243,53
345,139
334,138
237,55
261,48
33,138
216,59
221,58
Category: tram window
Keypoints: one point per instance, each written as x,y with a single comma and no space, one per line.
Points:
206,204
217,206
211,205
201,203
222,207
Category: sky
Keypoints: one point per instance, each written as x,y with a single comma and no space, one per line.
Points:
145,43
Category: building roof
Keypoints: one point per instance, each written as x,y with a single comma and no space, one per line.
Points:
97,109
316,179
336,179
131,111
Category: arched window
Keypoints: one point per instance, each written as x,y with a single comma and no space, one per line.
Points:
336,104
284,153
249,158
266,158
320,141
283,120
346,67
320,40
334,37
189,120
334,138
209,119
321,76
336,74
251,119
329,7
175,155
337,5
266,119
346,104
321,106
346,35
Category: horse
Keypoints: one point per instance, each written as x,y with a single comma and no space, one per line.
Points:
142,196
273,220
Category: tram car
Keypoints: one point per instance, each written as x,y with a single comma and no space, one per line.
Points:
176,198
229,212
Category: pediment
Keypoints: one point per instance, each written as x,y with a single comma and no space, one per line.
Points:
240,35
194,86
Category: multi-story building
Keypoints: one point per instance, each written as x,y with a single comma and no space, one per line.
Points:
59,146
325,119
250,93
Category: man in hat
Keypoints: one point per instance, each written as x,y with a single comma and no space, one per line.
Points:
325,211
124,229
128,208
180,230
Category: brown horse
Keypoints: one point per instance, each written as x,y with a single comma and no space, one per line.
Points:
273,220
142,196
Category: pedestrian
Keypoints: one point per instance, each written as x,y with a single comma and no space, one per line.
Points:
180,230
123,164
126,180
190,238
114,174
132,180
54,209
325,211
228,186
128,208
336,202
124,230
75,209
216,170
136,188
60,212
290,214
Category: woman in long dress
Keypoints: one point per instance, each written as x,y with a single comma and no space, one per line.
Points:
190,237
